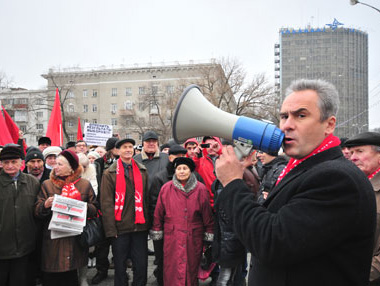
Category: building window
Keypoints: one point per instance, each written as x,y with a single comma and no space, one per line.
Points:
128,91
85,120
72,137
39,101
113,121
94,108
95,121
39,114
70,123
128,135
70,108
39,126
141,90
94,93
154,90
85,93
141,106
114,92
85,108
128,120
140,137
128,105
21,115
169,89
70,94
23,128
113,108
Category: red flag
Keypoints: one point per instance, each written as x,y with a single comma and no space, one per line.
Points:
13,129
54,129
5,137
79,132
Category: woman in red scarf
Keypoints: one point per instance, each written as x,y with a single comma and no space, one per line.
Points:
62,257
124,204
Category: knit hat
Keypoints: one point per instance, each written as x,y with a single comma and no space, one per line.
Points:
365,138
177,149
150,135
184,161
34,154
110,144
44,140
93,154
51,150
11,151
71,157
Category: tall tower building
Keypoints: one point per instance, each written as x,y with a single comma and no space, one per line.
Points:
336,54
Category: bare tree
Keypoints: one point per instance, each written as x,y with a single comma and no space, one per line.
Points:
64,89
5,81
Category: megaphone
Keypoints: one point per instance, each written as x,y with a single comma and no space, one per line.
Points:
195,116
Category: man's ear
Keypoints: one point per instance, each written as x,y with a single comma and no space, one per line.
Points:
330,125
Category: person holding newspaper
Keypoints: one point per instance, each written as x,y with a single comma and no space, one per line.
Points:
62,257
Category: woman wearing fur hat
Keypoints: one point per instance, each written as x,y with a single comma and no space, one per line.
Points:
183,220
62,257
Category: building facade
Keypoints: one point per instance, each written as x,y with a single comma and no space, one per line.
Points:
132,100
336,54
29,109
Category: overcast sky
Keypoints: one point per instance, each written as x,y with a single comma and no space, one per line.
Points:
39,34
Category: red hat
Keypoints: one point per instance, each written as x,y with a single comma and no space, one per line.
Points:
71,157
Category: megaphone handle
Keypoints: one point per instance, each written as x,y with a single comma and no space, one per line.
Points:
242,150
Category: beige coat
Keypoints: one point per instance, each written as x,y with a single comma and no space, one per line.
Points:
375,267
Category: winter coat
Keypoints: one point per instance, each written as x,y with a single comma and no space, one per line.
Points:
17,224
112,228
205,168
160,179
63,254
375,267
154,165
271,172
183,220
315,228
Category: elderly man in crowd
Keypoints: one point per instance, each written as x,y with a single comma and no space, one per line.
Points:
365,154
317,226
35,165
18,192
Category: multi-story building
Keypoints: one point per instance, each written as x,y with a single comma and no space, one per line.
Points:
29,109
132,100
336,54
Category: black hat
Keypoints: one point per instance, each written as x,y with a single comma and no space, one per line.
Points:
365,138
44,140
343,141
123,141
150,135
184,160
11,151
177,149
34,154
70,144
110,144
71,157
163,146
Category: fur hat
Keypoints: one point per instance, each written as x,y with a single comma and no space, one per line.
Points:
11,151
44,140
184,161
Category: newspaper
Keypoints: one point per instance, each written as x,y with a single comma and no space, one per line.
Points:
69,217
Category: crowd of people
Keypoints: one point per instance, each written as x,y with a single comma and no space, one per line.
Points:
307,215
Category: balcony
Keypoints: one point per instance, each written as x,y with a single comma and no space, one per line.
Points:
126,112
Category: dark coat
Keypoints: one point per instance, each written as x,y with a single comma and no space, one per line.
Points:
45,175
315,228
17,224
375,267
127,223
63,254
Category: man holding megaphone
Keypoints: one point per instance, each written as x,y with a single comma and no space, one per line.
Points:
317,225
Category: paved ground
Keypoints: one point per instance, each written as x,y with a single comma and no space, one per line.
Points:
151,279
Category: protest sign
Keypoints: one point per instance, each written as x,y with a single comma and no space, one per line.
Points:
97,134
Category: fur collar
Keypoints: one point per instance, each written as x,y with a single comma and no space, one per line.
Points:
70,179
190,184
144,156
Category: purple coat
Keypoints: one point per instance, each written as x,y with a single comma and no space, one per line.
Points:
185,219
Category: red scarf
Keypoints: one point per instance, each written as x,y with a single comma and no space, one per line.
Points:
121,189
373,174
329,142
70,191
